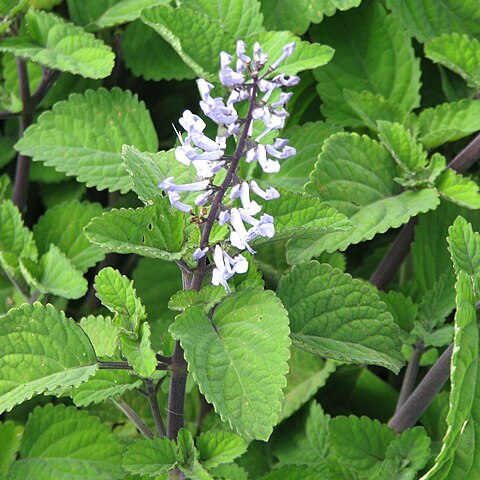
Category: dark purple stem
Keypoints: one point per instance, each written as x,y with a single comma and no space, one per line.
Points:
29,104
154,407
179,368
410,412
124,366
134,418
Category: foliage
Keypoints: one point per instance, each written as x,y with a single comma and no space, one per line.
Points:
256,292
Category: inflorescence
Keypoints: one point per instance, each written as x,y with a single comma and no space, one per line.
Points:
230,203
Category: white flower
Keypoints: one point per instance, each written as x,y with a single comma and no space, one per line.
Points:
223,217
228,76
267,165
199,253
288,50
239,237
202,198
269,194
249,206
280,144
169,186
174,198
226,267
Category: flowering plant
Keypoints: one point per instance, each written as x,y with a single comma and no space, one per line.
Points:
233,298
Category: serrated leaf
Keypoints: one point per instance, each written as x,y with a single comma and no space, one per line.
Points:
307,55
116,292
16,240
402,146
250,362
293,472
206,298
447,122
41,349
313,447
63,226
335,316
426,19
360,443
197,39
154,231
62,46
402,308
83,12
219,446
239,18
187,456
306,375
10,436
372,34
149,169
102,333
459,53
464,247
347,177
150,457
123,11
296,15
307,139
370,107
104,385
83,448
139,352
298,214
463,375
54,274
458,189
139,37
91,150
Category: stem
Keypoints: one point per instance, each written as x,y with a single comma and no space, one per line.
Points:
22,174
410,374
409,413
124,366
29,103
179,367
157,415
467,157
134,418
6,114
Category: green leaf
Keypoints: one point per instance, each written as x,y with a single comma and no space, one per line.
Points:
63,226
464,247
360,443
296,15
123,11
82,448
307,55
54,274
116,292
293,472
372,34
307,139
150,457
149,169
356,175
402,146
84,12
154,231
206,298
463,375
248,337
335,316
313,447
219,446
102,333
196,38
306,374
447,122
370,107
10,436
187,456
104,385
409,452
91,150
239,18
402,308
41,349
139,37
459,53
139,352
458,189
16,240
62,46
425,19
301,214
